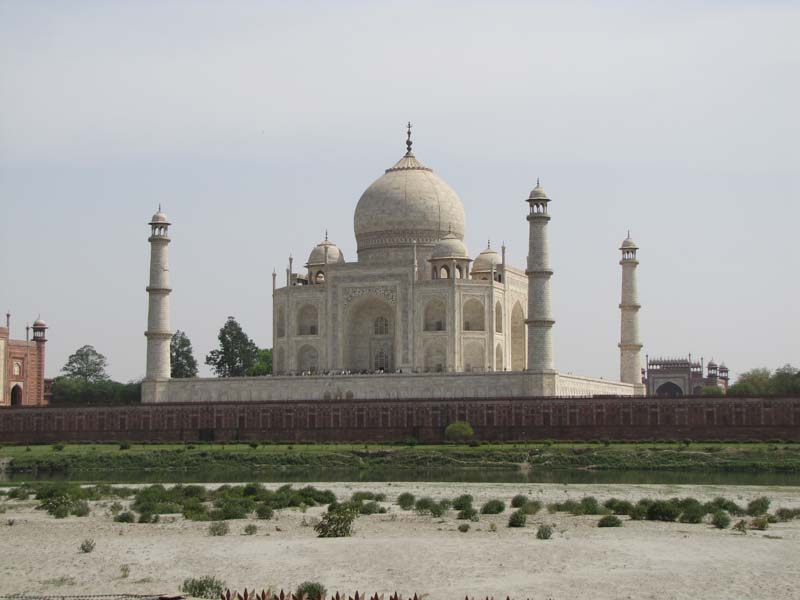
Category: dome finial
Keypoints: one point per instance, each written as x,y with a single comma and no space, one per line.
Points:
537,182
408,141
489,243
326,234
629,234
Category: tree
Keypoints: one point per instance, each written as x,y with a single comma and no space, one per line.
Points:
86,364
785,381
237,353
181,356
712,391
263,364
755,382
460,431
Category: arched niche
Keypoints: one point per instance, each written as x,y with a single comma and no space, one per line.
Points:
370,335
435,316
307,320
473,313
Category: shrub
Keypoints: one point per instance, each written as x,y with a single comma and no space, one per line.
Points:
369,508
424,505
693,513
87,546
438,509
125,517
589,505
741,526
757,507
787,514
545,532
467,514
638,513
493,507
720,503
312,590
149,518
203,587
609,521
618,507
721,520
760,523
406,501
253,445
336,523
663,510
531,507
124,445
58,447
250,529
115,508
218,528
518,518
264,511
519,501
464,527
459,431
462,502
80,508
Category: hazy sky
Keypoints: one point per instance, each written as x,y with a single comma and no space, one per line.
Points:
257,125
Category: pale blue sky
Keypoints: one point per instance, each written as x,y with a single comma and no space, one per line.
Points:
258,124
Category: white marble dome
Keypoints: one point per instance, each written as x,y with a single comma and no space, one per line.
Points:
486,260
319,256
449,247
408,203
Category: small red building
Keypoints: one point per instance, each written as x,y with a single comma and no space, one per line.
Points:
22,367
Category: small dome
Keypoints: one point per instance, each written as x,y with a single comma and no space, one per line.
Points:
486,260
538,193
449,247
628,244
712,364
39,323
318,254
159,218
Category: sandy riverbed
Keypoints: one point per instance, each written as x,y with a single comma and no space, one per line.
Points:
409,553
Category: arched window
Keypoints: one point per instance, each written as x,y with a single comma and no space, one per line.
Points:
307,319
435,316
381,360
473,315
280,322
319,277
444,272
16,396
381,326
17,369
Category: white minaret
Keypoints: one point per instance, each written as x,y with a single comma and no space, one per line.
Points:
630,360
158,331
540,319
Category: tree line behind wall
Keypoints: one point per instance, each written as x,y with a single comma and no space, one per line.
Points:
85,381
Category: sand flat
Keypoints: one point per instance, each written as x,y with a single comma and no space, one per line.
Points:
411,553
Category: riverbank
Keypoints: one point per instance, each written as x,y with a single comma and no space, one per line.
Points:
700,457
410,552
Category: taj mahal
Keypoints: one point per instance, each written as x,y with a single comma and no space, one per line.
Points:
412,317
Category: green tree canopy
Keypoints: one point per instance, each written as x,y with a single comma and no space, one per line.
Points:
785,381
237,353
459,431
181,356
263,364
74,391
712,391
86,364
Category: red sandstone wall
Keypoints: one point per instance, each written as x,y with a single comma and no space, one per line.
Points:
32,356
424,420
